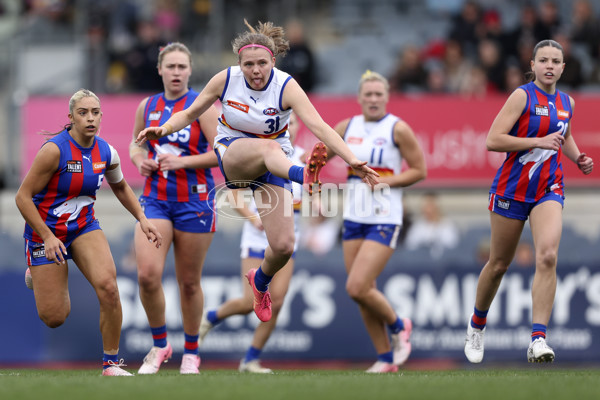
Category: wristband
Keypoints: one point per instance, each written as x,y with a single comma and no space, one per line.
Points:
168,127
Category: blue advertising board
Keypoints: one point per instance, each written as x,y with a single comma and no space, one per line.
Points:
318,320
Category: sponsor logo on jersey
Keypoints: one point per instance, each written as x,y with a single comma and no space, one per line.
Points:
238,106
504,204
198,188
270,111
380,141
38,251
562,114
541,110
74,166
354,140
154,115
98,166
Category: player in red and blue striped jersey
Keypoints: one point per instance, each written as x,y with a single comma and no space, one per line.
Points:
178,197
56,199
534,129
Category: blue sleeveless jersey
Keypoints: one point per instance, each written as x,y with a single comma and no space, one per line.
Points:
67,203
528,175
183,184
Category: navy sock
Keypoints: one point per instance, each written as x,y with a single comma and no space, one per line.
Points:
211,316
538,331
191,344
386,357
396,326
109,357
261,280
479,318
252,354
159,335
296,173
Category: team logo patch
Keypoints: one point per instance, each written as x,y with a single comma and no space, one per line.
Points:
504,204
154,115
541,110
270,111
38,251
238,106
74,166
99,166
354,140
562,114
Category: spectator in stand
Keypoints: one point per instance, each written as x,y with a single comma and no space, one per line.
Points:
456,67
572,76
490,59
299,62
492,29
466,26
525,32
410,74
594,78
477,85
586,27
549,19
513,77
141,59
196,16
436,78
432,230
168,20
524,50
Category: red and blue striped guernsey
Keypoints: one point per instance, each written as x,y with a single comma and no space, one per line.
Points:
67,203
181,185
528,175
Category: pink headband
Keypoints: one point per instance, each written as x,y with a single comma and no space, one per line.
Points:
256,45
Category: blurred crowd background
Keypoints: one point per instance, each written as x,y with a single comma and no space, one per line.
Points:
471,49
457,47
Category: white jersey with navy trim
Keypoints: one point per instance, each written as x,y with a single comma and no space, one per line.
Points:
373,141
255,239
254,113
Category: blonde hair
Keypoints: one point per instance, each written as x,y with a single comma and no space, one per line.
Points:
174,46
264,34
78,95
81,94
369,76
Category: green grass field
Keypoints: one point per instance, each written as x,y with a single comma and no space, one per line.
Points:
533,382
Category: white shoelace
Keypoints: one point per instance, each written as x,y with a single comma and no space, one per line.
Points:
475,339
119,365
